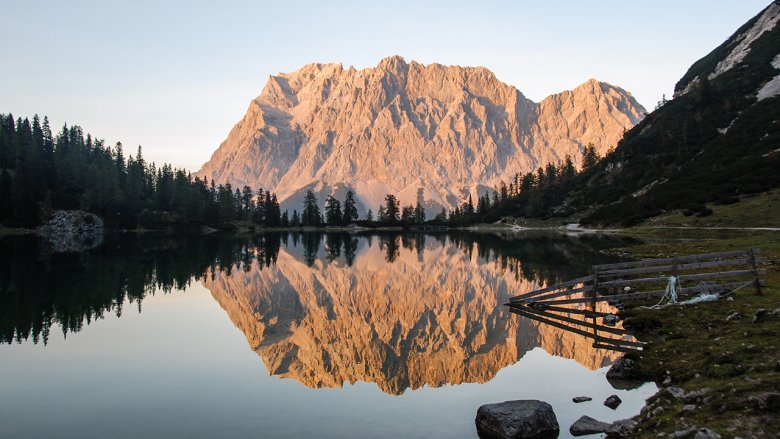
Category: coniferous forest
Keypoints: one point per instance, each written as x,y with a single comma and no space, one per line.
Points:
41,171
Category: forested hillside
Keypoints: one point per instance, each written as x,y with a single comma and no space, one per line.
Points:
40,171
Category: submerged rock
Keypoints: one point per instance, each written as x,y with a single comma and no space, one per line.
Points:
611,319
622,369
72,231
579,399
613,402
517,419
587,425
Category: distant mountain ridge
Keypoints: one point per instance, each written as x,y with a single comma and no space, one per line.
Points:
397,127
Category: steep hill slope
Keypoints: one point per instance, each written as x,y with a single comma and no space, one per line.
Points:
718,139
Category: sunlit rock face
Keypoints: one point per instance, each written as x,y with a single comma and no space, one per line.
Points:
397,127
433,316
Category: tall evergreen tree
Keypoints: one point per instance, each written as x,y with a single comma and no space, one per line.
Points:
392,209
333,214
350,208
311,211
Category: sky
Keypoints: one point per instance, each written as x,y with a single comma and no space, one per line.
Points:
176,76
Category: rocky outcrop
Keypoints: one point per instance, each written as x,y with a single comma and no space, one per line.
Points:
517,420
587,425
401,126
429,318
72,231
623,369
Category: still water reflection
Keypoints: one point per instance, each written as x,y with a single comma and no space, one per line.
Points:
416,318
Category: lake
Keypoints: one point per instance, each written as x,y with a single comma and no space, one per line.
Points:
288,335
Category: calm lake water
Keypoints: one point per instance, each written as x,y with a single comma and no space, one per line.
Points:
290,335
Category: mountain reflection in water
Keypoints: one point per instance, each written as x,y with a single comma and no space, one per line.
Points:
399,310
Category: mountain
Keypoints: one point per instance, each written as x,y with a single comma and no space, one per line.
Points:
717,140
399,127
432,316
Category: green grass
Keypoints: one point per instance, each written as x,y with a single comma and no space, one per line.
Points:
695,345
762,210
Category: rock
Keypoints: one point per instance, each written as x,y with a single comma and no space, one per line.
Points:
696,395
622,428
579,399
72,231
681,434
517,419
587,425
658,411
437,126
613,402
733,316
611,319
671,393
689,408
622,369
705,433
766,401
764,314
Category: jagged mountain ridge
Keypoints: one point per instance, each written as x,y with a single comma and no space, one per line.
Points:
401,126
431,317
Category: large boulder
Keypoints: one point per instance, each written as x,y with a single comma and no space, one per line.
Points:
72,231
622,369
587,425
517,419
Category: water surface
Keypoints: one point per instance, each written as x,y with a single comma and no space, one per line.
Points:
290,335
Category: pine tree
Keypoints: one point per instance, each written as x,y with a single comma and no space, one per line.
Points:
589,158
296,220
419,210
350,208
392,213
333,214
6,196
311,211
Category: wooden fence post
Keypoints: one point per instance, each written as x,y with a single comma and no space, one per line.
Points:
593,304
756,281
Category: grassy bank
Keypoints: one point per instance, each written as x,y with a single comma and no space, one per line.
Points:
696,347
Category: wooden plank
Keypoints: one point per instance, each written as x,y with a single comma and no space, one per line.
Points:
645,295
585,312
587,289
683,278
680,267
568,328
620,341
532,316
678,259
609,329
615,348
559,286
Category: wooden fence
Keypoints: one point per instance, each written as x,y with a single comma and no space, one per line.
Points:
705,273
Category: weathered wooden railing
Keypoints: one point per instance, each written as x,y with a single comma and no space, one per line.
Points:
619,282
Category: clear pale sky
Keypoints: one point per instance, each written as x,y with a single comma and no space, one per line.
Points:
175,77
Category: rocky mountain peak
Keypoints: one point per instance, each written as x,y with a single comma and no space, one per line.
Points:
400,126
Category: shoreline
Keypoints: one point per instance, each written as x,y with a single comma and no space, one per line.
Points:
730,383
